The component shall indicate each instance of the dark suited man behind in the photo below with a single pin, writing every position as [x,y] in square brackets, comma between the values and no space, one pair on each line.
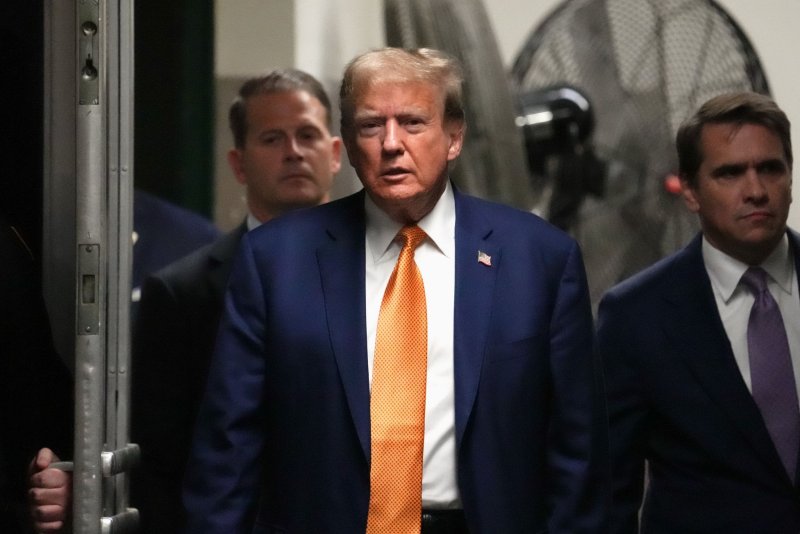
[285,157]
[286,438]
[695,386]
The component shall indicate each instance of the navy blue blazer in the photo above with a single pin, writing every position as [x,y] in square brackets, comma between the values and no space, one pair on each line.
[283,440]
[677,399]
[173,341]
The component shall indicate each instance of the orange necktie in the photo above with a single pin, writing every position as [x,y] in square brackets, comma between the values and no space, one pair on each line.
[397,403]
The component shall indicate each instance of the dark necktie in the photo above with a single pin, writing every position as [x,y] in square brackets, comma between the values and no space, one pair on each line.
[773,384]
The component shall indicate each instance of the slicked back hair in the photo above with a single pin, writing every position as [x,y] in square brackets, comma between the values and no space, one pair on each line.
[733,108]
[277,81]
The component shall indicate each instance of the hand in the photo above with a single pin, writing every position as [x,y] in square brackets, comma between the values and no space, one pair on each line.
[49,493]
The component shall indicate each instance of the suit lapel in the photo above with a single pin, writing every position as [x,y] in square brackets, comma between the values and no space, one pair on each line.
[706,350]
[474,287]
[341,267]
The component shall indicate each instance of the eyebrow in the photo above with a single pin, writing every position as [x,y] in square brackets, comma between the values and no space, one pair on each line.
[304,126]
[410,111]
[738,168]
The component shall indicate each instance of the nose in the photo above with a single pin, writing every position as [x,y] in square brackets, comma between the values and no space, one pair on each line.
[292,149]
[392,138]
[755,191]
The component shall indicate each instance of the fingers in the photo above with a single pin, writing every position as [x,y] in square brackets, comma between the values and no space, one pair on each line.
[49,507]
[43,459]
[49,479]
[48,494]
[48,518]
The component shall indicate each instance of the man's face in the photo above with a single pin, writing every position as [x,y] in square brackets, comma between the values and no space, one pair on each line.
[400,146]
[743,190]
[289,157]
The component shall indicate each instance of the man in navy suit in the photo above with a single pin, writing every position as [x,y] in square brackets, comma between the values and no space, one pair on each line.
[285,157]
[685,393]
[513,434]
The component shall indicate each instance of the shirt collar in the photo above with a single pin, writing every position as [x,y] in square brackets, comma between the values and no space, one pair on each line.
[725,271]
[252,222]
[439,224]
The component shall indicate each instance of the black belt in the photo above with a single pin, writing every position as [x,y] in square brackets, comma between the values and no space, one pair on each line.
[443,522]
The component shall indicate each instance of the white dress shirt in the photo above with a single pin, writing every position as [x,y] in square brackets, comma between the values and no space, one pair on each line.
[435,258]
[252,222]
[734,300]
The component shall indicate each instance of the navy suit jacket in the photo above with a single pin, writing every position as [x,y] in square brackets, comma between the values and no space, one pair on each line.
[676,398]
[283,437]
[173,341]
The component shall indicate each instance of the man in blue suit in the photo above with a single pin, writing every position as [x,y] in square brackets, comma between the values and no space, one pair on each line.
[688,390]
[513,433]
[286,158]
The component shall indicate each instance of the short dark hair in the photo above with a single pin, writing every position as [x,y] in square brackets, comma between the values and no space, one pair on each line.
[277,81]
[402,65]
[736,108]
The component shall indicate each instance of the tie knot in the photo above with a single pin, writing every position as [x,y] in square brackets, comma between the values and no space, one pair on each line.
[412,236]
[755,278]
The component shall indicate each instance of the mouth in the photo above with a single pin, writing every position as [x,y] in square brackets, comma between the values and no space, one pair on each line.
[297,175]
[394,173]
[759,215]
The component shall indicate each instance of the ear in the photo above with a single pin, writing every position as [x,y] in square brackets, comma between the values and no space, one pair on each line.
[689,194]
[336,154]
[235,161]
[455,130]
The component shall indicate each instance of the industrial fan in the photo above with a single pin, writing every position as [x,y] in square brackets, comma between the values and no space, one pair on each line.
[640,67]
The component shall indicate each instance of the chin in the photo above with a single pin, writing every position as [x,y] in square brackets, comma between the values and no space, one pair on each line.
[302,200]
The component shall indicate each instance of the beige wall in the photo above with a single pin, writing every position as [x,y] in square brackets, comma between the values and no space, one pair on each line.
[254,36]
[251,36]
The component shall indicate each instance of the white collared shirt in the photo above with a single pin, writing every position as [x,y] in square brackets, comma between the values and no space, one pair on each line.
[252,222]
[734,300]
[435,258]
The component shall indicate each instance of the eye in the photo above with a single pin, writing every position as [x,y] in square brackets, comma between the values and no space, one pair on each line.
[414,124]
[309,134]
[369,128]
[729,172]
[270,139]
[773,167]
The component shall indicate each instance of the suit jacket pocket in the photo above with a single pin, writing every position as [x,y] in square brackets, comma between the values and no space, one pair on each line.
[528,347]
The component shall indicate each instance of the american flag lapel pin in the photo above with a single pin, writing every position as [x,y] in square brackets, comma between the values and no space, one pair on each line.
[484,258]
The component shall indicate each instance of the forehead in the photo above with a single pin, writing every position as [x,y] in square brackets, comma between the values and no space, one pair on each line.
[285,109]
[392,97]
[734,142]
